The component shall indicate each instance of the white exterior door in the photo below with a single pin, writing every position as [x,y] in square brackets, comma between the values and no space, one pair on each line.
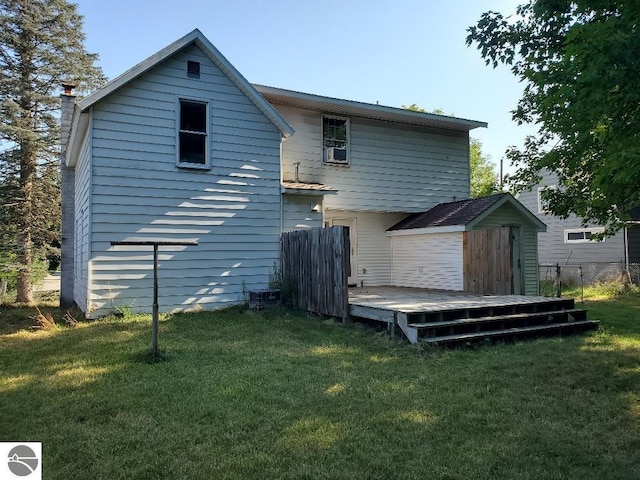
[351,224]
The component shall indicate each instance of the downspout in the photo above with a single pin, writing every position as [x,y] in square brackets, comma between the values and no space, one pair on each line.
[281,190]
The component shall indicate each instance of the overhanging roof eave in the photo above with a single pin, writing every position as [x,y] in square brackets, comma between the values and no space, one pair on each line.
[366,110]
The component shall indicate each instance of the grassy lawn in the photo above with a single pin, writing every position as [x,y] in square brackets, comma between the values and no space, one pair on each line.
[287,395]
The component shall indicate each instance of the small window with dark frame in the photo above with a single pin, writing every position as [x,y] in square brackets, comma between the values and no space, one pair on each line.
[193,132]
[335,139]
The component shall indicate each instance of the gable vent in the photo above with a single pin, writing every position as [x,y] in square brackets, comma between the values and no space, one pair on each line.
[193,69]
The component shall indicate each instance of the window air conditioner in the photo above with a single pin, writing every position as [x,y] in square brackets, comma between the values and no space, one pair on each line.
[337,155]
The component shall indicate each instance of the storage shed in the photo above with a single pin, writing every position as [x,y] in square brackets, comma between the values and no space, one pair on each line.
[484,245]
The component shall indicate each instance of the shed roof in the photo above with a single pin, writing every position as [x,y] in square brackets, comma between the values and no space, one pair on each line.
[466,213]
[280,96]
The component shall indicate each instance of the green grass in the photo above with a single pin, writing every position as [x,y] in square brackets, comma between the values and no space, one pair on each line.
[288,395]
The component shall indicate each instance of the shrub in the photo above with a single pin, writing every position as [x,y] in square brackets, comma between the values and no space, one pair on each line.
[9,268]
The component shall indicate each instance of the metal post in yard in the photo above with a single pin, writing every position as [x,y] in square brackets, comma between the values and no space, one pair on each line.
[155,351]
[558,281]
[581,285]
[154,315]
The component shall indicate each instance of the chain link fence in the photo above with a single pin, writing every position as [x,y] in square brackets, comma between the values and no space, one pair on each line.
[555,276]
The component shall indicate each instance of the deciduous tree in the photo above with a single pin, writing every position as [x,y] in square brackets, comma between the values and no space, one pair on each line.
[484,180]
[580,64]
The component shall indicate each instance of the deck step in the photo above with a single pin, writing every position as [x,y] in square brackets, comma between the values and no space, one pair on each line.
[519,331]
[496,318]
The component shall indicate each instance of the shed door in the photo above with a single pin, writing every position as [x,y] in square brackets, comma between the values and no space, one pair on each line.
[488,261]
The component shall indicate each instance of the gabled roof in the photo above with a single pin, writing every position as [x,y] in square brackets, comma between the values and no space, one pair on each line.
[195,37]
[279,96]
[466,213]
[80,122]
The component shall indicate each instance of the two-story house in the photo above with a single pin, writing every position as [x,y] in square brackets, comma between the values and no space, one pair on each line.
[183,147]
[383,163]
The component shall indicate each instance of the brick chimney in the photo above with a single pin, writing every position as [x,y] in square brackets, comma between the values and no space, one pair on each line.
[68,180]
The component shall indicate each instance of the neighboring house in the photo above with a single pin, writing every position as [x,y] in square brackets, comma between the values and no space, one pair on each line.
[182,147]
[567,242]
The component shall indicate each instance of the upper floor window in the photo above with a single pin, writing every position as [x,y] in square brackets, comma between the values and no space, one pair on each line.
[192,134]
[335,140]
[582,235]
[543,206]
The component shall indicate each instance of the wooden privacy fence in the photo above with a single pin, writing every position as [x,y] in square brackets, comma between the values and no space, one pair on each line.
[315,267]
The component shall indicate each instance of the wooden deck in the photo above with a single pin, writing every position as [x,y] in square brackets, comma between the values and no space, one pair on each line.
[438,316]
[380,303]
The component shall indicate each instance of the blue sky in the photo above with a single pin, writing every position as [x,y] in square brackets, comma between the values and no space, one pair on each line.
[392,52]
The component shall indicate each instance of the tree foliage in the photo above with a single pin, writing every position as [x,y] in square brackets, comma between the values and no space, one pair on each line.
[484,180]
[45,227]
[580,63]
[414,107]
[41,46]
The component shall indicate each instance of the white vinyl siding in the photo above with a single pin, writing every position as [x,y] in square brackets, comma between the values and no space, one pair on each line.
[393,167]
[81,225]
[373,246]
[427,261]
[232,209]
[301,212]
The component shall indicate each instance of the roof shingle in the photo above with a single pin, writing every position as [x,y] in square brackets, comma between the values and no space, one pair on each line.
[460,212]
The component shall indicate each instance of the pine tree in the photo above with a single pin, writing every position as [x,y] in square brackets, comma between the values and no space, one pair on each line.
[41,46]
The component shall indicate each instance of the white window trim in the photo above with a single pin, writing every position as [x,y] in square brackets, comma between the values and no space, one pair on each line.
[541,208]
[348,146]
[207,150]
[592,230]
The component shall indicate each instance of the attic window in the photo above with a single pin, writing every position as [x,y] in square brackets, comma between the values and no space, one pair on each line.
[193,69]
